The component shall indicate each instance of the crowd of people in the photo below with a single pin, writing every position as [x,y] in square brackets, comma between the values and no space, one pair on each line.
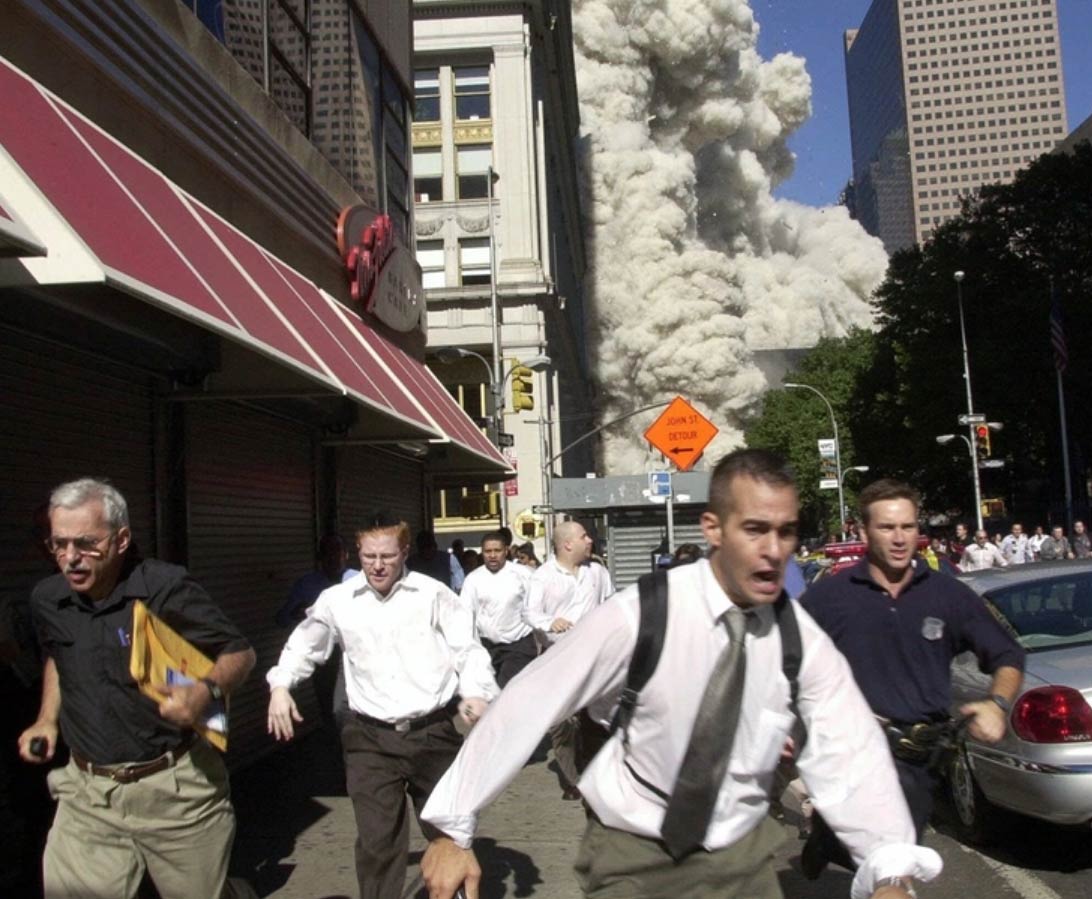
[447,669]
[1015,548]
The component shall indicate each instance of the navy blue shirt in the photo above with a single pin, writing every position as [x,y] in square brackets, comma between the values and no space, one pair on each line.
[901,649]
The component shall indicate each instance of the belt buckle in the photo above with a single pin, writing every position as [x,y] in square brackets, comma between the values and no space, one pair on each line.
[402,727]
[123,774]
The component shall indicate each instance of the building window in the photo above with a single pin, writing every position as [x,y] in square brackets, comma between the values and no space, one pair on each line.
[428,182]
[474,263]
[471,93]
[426,91]
[472,162]
[430,256]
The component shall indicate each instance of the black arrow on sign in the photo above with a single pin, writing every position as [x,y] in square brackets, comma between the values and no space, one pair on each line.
[684,449]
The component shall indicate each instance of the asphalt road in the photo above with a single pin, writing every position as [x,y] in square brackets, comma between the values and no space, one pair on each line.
[296,834]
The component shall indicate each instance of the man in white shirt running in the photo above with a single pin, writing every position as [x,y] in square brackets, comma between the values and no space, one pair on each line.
[564,589]
[409,654]
[496,595]
[751,526]
[981,554]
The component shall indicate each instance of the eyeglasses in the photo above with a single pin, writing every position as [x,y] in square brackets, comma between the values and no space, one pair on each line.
[84,546]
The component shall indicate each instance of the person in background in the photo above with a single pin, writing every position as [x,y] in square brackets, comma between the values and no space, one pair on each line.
[496,593]
[410,655]
[1056,546]
[564,589]
[1081,544]
[685,554]
[331,567]
[982,554]
[1015,546]
[958,543]
[525,555]
[471,560]
[141,791]
[440,566]
[1035,542]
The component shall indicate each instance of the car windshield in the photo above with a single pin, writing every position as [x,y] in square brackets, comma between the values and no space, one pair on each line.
[1048,613]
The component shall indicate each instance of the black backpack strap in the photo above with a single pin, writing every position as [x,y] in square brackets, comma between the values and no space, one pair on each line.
[652,592]
[792,656]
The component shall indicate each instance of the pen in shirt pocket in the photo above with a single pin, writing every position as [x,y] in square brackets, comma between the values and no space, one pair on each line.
[123,638]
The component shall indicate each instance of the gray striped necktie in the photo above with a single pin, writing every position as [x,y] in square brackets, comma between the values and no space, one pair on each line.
[695,795]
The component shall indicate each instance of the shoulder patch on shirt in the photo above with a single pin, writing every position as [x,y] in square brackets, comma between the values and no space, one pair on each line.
[932,628]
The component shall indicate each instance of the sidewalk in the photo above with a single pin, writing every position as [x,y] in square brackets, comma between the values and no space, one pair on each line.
[296,834]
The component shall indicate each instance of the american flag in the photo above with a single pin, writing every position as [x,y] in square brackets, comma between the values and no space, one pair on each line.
[1057,334]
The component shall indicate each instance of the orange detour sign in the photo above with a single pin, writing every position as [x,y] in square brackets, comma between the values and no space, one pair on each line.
[681,433]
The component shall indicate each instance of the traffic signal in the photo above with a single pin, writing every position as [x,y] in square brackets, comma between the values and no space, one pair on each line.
[523,388]
[982,441]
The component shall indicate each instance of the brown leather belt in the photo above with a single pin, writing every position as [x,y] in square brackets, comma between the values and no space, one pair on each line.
[131,773]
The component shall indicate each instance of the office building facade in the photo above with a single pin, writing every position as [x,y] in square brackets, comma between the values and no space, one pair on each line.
[945,96]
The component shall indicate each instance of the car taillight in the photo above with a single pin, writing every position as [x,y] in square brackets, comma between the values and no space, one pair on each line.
[1052,715]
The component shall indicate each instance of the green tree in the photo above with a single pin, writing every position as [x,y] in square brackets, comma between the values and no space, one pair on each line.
[792,421]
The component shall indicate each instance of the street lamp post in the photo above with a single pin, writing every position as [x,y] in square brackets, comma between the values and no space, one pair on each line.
[944,440]
[860,468]
[837,450]
[958,276]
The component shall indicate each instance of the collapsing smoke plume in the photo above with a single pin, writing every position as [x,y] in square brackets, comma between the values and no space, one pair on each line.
[694,264]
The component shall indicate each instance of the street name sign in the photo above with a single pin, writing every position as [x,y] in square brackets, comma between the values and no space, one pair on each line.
[542,510]
[978,418]
[681,433]
[992,463]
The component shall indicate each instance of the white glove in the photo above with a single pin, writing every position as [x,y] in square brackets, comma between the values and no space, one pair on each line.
[895,860]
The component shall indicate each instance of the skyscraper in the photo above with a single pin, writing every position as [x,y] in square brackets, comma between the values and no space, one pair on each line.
[945,96]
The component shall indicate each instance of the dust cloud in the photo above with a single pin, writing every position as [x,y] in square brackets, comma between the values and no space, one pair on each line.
[695,265]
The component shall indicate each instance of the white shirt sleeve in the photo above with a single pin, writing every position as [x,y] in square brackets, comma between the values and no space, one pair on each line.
[548,690]
[537,616]
[472,662]
[310,644]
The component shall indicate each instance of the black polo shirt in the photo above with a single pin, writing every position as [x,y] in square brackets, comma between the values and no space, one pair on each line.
[901,649]
[104,716]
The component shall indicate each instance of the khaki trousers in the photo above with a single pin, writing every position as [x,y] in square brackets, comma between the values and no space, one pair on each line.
[177,824]
[614,864]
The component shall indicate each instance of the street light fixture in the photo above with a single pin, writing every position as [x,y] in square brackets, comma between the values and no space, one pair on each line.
[541,362]
[944,440]
[837,450]
[958,276]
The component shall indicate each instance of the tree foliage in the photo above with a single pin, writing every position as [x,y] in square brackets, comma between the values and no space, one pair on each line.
[1015,243]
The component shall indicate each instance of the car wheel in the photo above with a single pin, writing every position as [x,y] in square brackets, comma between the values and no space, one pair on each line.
[975,816]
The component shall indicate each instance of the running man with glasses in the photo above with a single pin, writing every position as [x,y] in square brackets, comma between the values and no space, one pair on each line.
[141,791]
[411,662]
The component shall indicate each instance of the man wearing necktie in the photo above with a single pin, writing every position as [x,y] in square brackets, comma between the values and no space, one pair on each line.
[677,801]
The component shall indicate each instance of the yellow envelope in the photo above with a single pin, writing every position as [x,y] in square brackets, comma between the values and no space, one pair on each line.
[163,656]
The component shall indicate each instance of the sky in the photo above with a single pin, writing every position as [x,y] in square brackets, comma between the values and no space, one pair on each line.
[814,30]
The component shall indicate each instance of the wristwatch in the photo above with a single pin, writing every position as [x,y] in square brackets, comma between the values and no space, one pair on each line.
[215,690]
[1000,700]
[903,883]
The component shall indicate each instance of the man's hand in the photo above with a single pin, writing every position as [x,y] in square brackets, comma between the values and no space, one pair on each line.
[988,723]
[282,712]
[183,704]
[445,867]
[470,710]
[560,625]
[45,730]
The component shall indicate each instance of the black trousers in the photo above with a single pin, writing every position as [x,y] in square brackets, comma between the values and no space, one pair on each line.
[509,659]
[918,786]
[382,767]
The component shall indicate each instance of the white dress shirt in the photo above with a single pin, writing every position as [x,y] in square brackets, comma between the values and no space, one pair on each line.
[845,764]
[558,593]
[976,557]
[1015,549]
[404,655]
[498,602]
